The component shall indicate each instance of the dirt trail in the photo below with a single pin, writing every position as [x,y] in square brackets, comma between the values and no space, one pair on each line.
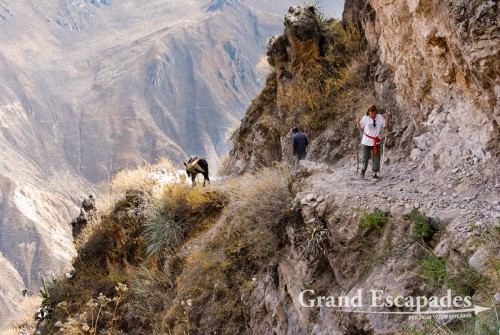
[460,196]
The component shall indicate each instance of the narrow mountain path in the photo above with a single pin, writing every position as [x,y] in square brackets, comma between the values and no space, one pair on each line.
[444,195]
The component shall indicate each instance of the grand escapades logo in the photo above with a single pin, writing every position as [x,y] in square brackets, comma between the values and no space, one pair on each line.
[376,299]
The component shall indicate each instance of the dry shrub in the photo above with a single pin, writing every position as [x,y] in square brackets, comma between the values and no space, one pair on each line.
[249,236]
[261,197]
[148,289]
[109,256]
[105,203]
[212,275]
[118,240]
[213,265]
[100,315]
[114,250]
[208,280]
[335,82]
[255,217]
[138,178]
[186,203]
[177,215]
[87,232]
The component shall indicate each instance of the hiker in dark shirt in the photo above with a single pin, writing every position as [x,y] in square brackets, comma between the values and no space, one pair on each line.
[299,146]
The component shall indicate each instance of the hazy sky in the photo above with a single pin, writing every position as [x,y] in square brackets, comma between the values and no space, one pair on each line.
[332,8]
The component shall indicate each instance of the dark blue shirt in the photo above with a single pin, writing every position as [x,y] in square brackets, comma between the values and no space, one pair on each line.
[299,144]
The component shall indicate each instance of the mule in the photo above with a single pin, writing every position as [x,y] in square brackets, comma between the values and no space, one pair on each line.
[197,165]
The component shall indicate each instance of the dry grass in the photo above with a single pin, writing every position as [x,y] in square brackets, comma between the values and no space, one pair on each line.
[175,217]
[89,230]
[259,209]
[136,179]
[148,290]
[261,197]
[248,237]
[333,85]
[186,203]
[105,203]
[211,274]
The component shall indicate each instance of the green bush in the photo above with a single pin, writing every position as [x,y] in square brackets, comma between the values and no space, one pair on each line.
[163,232]
[421,227]
[433,270]
[373,220]
[458,276]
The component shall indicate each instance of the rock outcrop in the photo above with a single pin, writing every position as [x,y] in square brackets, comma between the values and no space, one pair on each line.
[260,139]
[433,65]
[88,214]
[443,57]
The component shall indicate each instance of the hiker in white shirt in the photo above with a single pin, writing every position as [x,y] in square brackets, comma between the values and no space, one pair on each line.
[371,124]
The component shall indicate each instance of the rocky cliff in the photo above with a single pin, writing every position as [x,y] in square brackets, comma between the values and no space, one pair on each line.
[443,59]
[433,65]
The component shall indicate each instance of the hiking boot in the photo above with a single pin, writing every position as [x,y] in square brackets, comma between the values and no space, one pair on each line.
[375,176]
[362,173]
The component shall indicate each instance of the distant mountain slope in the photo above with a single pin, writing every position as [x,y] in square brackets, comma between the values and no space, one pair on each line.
[90,87]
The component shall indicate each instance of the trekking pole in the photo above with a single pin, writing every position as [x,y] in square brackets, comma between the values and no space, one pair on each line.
[357,149]
[357,159]
[383,152]
[383,145]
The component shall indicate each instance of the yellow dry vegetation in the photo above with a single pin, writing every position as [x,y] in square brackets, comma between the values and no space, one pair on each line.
[335,84]
[248,236]
[138,178]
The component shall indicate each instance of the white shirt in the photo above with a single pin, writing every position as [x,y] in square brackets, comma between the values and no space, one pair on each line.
[366,124]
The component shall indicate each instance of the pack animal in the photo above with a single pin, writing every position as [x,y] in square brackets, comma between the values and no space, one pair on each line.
[197,165]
